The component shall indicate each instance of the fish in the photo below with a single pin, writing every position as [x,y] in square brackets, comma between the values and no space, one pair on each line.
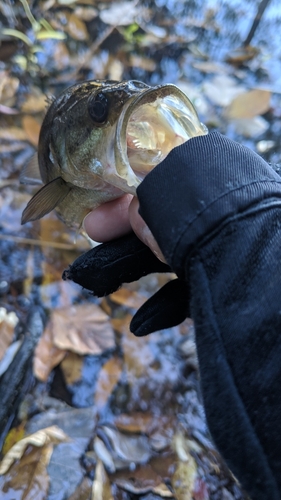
[99,139]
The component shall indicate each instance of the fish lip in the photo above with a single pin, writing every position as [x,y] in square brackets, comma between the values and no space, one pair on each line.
[146,96]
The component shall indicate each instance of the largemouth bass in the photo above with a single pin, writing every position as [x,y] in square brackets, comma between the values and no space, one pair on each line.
[99,139]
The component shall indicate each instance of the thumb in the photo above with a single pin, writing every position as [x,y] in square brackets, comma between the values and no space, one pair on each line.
[142,230]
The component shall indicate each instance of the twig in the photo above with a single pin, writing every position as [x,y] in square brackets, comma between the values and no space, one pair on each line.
[31,241]
[261,9]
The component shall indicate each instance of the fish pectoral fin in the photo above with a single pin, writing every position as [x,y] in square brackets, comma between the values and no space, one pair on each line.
[30,173]
[45,200]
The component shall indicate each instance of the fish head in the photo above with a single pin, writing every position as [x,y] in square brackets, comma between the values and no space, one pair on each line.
[101,138]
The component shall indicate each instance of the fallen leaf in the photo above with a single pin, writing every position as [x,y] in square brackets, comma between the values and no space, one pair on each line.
[84,491]
[120,14]
[32,129]
[14,435]
[8,88]
[108,377]
[222,89]
[128,448]
[185,475]
[249,104]
[13,134]
[101,486]
[128,298]
[142,480]
[46,355]
[35,102]
[40,438]
[28,477]
[71,367]
[86,13]
[134,422]
[8,321]
[250,127]
[84,329]
[75,27]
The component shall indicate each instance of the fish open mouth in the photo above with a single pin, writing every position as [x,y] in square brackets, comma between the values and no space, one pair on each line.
[151,125]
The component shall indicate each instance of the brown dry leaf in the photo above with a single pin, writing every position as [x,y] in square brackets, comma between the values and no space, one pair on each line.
[84,329]
[8,88]
[76,28]
[13,134]
[84,491]
[249,104]
[134,422]
[8,322]
[108,377]
[142,480]
[32,129]
[46,355]
[101,486]
[71,367]
[49,435]
[128,298]
[28,477]
[35,102]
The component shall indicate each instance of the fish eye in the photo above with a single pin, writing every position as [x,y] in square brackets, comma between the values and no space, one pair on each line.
[98,108]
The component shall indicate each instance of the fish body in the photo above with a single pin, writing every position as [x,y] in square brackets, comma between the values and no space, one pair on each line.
[99,139]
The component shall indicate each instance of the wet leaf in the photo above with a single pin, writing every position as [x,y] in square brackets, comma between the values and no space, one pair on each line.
[8,321]
[101,485]
[32,129]
[35,102]
[135,422]
[127,297]
[142,480]
[86,13]
[29,475]
[120,14]
[15,435]
[128,448]
[222,89]
[40,438]
[13,134]
[47,355]
[184,477]
[8,88]
[251,127]
[84,329]
[71,367]
[76,28]
[249,104]
[84,491]
[108,377]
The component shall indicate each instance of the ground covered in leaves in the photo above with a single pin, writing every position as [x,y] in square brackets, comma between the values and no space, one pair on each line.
[87,410]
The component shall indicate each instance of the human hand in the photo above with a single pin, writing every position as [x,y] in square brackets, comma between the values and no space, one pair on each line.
[117,218]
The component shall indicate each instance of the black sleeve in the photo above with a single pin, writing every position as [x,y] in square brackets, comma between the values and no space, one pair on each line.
[221,204]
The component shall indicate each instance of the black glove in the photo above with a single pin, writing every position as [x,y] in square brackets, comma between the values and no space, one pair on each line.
[105,268]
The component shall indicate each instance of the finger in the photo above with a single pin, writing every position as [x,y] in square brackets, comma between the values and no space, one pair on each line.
[109,221]
[142,231]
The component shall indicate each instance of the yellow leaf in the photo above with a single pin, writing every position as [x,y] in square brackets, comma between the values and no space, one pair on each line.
[15,435]
[249,104]
[40,438]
